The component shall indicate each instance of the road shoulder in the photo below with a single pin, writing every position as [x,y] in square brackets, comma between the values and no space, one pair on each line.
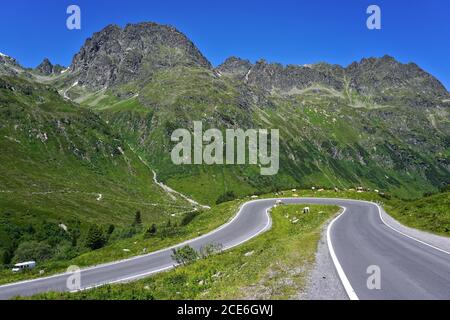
[440,242]
[323,282]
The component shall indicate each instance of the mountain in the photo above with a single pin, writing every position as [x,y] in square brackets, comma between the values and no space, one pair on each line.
[383,80]
[116,56]
[47,68]
[376,123]
[9,65]
[63,170]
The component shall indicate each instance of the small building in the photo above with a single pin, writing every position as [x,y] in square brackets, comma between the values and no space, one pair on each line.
[18,267]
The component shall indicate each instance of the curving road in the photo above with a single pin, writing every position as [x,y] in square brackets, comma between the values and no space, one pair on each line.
[357,239]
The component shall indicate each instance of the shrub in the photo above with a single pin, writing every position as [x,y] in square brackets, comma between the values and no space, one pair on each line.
[111,229]
[210,249]
[32,250]
[227,196]
[95,238]
[137,219]
[150,231]
[188,217]
[184,255]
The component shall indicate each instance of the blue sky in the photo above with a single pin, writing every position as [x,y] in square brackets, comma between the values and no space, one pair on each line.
[286,31]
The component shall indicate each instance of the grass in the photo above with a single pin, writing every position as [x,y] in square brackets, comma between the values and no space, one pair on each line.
[428,214]
[431,213]
[267,270]
[275,265]
[201,224]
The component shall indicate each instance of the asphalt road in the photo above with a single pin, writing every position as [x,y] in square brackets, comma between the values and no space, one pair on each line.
[358,239]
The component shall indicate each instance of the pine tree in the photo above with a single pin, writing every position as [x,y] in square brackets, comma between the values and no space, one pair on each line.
[137,219]
[95,238]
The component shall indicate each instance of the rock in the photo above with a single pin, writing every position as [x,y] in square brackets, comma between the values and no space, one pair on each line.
[47,68]
[248,254]
[117,56]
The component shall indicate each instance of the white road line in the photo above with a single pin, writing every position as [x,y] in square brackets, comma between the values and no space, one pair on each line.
[142,275]
[236,216]
[347,286]
[406,235]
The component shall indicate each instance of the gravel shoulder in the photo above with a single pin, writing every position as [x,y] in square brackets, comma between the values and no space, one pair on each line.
[323,282]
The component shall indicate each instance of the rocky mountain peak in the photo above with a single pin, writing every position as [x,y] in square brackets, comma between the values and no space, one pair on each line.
[46,67]
[116,56]
[235,67]
[9,65]
[379,76]
[289,78]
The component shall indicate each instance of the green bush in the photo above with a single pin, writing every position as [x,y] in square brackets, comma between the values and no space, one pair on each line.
[227,196]
[150,232]
[184,255]
[32,250]
[137,219]
[188,217]
[210,249]
[95,238]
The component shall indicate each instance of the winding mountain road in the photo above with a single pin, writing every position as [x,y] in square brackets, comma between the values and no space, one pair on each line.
[357,240]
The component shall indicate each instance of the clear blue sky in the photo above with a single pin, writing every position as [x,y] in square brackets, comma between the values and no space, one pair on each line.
[286,31]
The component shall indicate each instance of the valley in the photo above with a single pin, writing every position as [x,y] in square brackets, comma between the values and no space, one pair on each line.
[88,177]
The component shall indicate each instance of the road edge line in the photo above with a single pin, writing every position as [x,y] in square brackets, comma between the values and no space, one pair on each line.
[344,280]
[406,235]
[146,274]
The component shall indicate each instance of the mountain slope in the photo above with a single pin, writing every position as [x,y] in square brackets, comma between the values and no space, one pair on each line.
[376,123]
[63,166]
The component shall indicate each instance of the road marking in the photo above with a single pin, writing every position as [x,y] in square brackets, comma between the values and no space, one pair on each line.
[142,275]
[347,286]
[406,235]
[235,217]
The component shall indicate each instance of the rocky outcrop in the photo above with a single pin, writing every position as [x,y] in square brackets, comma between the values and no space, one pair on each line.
[384,80]
[116,56]
[235,67]
[46,67]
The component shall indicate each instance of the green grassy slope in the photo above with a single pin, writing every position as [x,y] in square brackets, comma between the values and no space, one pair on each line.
[274,265]
[431,213]
[327,139]
[62,164]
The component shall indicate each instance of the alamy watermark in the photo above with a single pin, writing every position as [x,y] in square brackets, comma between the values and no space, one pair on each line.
[374,280]
[73,282]
[374,20]
[73,22]
[261,146]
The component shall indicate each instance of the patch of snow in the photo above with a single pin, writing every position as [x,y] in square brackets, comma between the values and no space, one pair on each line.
[3,55]
[248,73]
